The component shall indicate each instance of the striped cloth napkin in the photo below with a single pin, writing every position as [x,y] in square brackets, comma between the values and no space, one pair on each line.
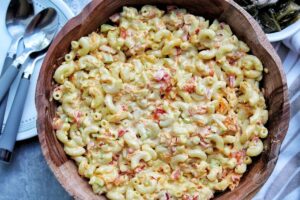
[293,42]
[284,183]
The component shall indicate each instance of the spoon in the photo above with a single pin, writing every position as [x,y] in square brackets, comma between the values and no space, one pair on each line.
[18,16]
[38,35]
[37,38]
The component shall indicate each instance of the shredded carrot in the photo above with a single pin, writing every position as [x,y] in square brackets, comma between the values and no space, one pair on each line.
[223,106]
[157,113]
[123,33]
[239,156]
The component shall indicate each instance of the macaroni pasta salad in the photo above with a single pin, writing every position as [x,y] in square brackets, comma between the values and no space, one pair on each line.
[160,105]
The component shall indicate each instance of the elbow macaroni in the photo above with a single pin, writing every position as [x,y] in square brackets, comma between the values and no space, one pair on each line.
[161,105]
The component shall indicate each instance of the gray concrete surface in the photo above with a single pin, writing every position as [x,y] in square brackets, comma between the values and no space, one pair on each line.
[28,176]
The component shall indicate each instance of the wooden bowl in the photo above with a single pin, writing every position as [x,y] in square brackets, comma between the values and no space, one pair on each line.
[242,24]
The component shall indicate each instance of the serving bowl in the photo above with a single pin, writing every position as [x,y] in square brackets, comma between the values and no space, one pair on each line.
[285,33]
[242,24]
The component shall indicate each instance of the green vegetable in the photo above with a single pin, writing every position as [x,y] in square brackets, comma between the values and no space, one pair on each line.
[287,12]
[273,17]
[268,21]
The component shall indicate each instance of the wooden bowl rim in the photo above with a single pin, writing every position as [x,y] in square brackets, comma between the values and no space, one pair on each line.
[83,16]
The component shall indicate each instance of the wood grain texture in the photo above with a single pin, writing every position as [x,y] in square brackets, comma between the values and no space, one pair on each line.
[242,24]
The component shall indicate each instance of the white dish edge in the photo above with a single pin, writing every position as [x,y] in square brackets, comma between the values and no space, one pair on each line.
[285,33]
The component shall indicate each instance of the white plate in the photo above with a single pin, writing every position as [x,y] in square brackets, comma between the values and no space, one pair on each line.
[27,127]
[285,33]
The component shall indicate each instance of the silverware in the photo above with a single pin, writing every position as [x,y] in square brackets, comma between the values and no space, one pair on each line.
[37,37]
[18,16]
